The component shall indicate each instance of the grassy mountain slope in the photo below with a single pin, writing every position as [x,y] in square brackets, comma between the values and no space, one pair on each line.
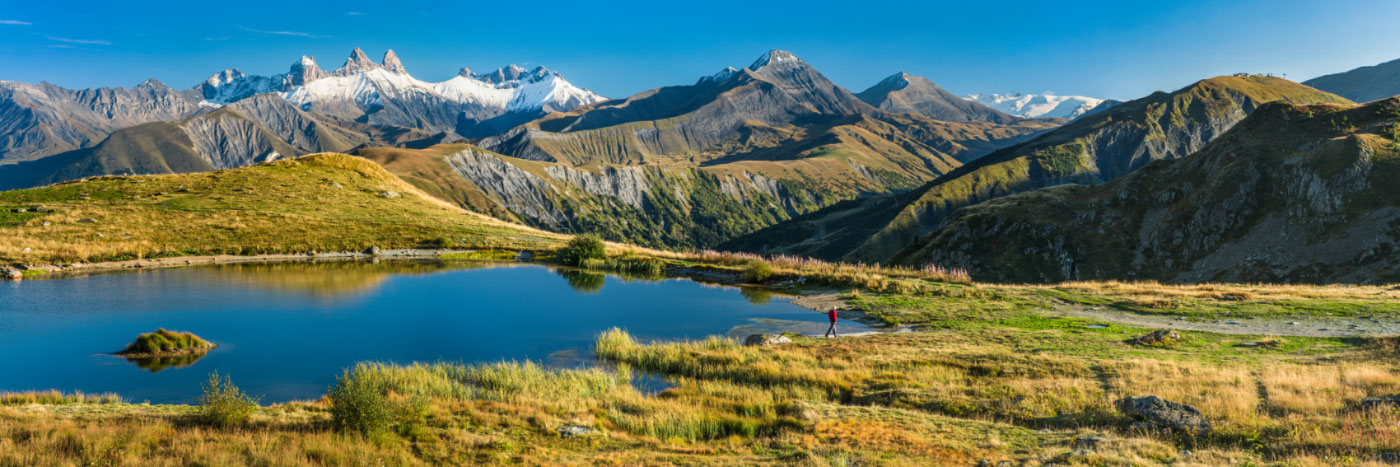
[325,202]
[1089,150]
[1292,194]
[683,205]
[1362,84]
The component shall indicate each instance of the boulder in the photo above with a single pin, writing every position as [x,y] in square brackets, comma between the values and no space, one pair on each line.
[570,431]
[1090,443]
[1155,413]
[1383,401]
[11,274]
[766,339]
[1160,338]
[372,251]
[389,194]
[87,220]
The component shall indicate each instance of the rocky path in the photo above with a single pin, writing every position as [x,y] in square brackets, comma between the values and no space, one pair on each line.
[1307,326]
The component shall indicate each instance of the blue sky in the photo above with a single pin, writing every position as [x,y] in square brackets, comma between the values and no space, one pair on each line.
[1111,49]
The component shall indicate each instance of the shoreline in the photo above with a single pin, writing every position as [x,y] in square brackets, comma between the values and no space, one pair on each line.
[80,269]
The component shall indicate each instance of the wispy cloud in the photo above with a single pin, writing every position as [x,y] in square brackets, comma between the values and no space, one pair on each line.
[283,33]
[71,47]
[78,41]
[354,13]
[14,22]
[220,38]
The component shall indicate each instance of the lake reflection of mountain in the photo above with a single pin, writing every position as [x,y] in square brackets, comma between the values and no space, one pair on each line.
[324,279]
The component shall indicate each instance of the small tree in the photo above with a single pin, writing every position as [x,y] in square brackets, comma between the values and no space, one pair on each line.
[222,404]
[582,247]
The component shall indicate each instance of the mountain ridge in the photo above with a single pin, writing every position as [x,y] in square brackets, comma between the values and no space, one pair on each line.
[1093,149]
[906,93]
[1294,193]
[1362,84]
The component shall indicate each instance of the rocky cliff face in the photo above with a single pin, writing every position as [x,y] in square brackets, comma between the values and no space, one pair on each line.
[1292,194]
[675,207]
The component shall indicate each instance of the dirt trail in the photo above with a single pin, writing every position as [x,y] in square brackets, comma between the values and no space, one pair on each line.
[1307,326]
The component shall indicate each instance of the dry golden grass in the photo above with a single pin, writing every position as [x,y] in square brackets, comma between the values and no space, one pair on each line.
[1158,291]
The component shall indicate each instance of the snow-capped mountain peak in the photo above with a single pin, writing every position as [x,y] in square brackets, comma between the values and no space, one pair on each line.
[365,84]
[774,56]
[1037,105]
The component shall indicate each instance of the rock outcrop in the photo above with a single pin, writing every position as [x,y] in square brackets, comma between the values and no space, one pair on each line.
[1153,413]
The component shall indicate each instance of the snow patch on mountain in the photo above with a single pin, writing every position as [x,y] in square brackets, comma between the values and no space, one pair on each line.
[1037,105]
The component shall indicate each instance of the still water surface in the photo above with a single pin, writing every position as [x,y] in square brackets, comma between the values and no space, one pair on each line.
[286,330]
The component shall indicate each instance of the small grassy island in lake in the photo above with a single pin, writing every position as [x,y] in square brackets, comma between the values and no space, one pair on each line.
[163,343]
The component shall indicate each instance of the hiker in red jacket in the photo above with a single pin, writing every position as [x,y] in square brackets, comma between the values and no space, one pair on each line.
[831,331]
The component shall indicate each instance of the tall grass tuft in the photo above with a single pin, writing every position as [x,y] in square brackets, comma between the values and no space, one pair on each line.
[224,405]
[871,276]
[55,397]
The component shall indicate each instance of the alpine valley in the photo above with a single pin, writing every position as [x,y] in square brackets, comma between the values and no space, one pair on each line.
[352,266]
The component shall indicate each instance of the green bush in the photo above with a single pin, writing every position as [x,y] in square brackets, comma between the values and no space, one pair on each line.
[757,271]
[222,404]
[580,248]
[359,402]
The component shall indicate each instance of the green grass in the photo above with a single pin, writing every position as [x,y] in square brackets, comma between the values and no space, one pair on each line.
[494,254]
[290,206]
[55,397]
[165,342]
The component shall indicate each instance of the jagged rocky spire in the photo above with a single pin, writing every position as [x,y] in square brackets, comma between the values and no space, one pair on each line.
[305,71]
[392,63]
[358,62]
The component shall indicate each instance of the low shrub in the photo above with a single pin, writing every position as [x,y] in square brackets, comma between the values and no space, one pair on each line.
[359,402]
[222,404]
[580,248]
[757,271]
